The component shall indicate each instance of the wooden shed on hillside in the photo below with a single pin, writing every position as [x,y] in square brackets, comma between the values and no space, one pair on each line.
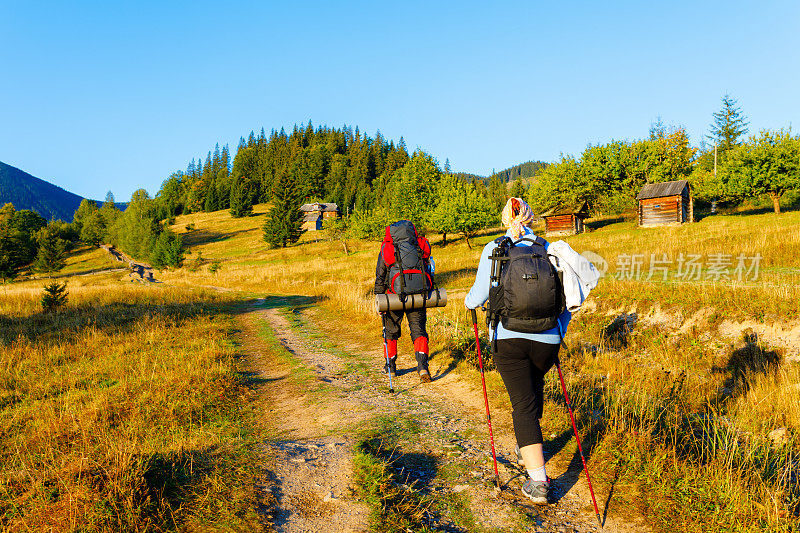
[316,213]
[669,202]
[565,220]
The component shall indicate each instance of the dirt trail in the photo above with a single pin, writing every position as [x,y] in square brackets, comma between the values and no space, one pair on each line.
[307,483]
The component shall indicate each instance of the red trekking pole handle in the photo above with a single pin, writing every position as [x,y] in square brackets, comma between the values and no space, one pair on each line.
[485,396]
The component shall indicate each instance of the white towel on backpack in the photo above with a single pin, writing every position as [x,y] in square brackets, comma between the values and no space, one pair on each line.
[579,274]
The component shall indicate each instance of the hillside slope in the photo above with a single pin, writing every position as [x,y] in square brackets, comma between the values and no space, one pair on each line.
[29,192]
[526,171]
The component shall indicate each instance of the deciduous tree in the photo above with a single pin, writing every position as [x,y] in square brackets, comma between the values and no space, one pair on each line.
[768,163]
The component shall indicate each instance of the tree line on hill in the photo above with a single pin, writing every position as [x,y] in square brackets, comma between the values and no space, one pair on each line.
[375,182]
[26,238]
[608,176]
[140,231]
[370,178]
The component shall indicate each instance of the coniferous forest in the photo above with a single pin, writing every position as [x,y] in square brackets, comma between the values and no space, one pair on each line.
[336,165]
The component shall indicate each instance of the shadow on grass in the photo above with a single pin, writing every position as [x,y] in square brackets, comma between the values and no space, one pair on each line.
[201,236]
[451,365]
[69,324]
[601,223]
[396,484]
[295,302]
[168,476]
[443,278]
[744,364]
[760,211]
[567,480]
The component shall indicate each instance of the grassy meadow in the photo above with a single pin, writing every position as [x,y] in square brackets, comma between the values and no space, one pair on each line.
[121,411]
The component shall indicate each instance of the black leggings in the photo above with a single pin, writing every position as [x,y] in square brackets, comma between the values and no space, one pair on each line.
[522,364]
[417,319]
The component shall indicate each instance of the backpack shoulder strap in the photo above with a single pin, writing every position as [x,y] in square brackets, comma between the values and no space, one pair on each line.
[538,240]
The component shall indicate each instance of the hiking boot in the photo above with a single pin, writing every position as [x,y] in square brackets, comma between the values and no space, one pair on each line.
[536,491]
[391,367]
[422,367]
[520,460]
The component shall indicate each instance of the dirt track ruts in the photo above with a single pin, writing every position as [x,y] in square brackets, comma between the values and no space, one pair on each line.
[306,483]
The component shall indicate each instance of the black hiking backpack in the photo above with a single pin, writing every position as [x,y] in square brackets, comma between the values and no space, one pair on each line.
[405,254]
[529,295]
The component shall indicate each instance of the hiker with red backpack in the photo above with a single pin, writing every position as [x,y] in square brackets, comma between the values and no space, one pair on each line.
[405,268]
[531,290]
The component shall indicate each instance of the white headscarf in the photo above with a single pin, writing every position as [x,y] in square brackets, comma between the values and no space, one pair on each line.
[523,217]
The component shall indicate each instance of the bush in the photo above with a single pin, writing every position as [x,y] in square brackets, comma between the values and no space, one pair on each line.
[195,264]
[215,266]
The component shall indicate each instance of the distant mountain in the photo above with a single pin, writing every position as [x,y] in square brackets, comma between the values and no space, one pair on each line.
[29,192]
[528,169]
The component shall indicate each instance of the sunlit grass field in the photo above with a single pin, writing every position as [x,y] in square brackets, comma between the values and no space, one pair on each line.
[684,405]
[683,411]
[119,412]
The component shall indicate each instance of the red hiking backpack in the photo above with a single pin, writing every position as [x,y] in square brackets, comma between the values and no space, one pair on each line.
[406,256]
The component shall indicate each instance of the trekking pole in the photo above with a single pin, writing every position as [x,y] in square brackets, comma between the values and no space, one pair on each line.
[386,354]
[485,397]
[580,449]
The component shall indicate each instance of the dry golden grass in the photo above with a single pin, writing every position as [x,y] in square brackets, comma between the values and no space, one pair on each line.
[119,412]
[676,359]
[682,409]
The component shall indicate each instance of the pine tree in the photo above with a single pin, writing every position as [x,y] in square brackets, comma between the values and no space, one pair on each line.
[729,125]
[284,220]
[52,250]
[54,296]
[241,203]
[216,163]
[211,198]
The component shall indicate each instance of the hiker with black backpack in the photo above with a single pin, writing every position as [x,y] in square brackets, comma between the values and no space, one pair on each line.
[528,313]
[405,268]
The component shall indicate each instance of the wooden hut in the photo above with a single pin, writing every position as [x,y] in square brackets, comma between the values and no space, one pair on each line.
[565,220]
[316,213]
[664,203]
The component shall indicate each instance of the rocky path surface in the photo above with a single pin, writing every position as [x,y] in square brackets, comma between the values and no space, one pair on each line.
[307,482]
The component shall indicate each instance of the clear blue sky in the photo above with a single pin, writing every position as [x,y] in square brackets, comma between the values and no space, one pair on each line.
[95,96]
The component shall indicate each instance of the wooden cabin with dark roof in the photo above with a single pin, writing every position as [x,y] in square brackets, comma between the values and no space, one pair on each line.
[316,213]
[669,202]
[565,220]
